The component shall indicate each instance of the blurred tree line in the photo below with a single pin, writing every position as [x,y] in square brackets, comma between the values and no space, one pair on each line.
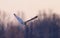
[45,26]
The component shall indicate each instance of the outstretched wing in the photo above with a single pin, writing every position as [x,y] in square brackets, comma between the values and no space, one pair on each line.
[19,19]
[31,19]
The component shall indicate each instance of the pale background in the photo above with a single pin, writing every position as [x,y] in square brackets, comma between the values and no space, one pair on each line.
[29,7]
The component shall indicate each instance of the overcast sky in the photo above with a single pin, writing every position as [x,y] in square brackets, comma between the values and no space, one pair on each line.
[29,7]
